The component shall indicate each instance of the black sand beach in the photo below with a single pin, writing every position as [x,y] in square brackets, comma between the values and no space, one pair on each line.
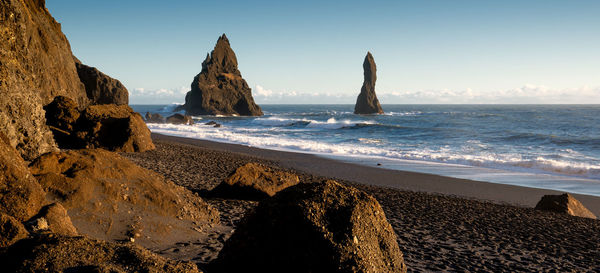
[442,223]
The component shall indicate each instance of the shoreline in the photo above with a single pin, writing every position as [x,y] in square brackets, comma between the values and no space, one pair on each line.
[382,177]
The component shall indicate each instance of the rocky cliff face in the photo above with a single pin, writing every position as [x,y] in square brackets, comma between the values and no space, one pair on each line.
[219,89]
[367,102]
[36,65]
[99,87]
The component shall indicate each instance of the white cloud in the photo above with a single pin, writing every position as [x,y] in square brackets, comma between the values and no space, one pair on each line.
[142,95]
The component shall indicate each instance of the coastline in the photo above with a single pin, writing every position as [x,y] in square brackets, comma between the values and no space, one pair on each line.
[402,180]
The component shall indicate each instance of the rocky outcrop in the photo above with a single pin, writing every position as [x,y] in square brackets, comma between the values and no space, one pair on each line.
[36,65]
[254,182]
[321,227]
[106,195]
[367,102]
[11,230]
[112,127]
[51,253]
[100,88]
[57,220]
[564,203]
[219,89]
[180,119]
[20,195]
[154,118]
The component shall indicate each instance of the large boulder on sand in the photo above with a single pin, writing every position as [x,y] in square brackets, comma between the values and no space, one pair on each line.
[57,220]
[109,197]
[100,88]
[52,253]
[322,227]
[367,102]
[219,89]
[254,182]
[180,119]
[564,203]
[11,230]
[20,195]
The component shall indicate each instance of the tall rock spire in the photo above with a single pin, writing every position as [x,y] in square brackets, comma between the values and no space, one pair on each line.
[367,102]
[219,89]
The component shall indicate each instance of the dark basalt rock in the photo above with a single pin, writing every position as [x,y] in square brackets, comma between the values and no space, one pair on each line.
[180,119]
[154,118]
[219,89]
[564,203]
[313,227]
[367,102]
[100,88]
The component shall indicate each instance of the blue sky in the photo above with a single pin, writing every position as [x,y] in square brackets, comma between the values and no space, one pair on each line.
[312,51]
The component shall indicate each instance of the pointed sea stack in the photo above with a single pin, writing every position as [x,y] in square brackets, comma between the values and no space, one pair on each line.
[219,89]
[367,102]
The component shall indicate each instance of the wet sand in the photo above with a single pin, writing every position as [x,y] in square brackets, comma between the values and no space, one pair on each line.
[442,223]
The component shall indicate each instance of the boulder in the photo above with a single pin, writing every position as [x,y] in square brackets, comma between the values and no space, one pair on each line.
[52,253]
[57,220]
[100,88]
[62,113]
[36,65]
[321,227]
[367,102]
[105,195]
[180,119]
[154,118]
[113,127]
[11,230]
[219,89]
[254,182]
[564,203]
[20,195]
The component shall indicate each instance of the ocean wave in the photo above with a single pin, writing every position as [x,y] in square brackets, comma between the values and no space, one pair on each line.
[330,123]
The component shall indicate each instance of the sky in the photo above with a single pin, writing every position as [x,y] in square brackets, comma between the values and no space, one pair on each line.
[427,51]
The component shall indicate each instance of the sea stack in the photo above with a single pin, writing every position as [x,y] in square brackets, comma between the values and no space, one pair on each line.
[367,102]
[219,89]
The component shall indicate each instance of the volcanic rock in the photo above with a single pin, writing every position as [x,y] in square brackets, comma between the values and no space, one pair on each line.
[154,118]
[320,227]
[180,119]
[113,127]
[20,195]
[36,65]
[564,203]
[11,230]
[106,194]
[52,253]
[254,182]
[367,102]
[219,89]
[57,220]
[62,113]
[100,88]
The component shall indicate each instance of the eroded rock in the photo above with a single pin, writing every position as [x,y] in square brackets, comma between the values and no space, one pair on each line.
[100,88]
[254,181]
[154,118]
[11,230]
[367,102]
[180,119]
[57,220]
[564,203]
[321,227]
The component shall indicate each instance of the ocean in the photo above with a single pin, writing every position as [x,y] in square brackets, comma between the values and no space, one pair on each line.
[541,146]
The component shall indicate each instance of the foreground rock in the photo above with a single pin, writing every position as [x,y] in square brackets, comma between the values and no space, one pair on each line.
[564,203]
[110,198]
[51,253]
[57,220]
[36,64]
[180,119]
[100,88]
[11,230]
[254,182]
[21,196]
[112,127]
[154,118]
[367,102]
[322,227]
[219,89]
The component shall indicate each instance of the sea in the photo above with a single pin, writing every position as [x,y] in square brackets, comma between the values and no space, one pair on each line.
[541,146]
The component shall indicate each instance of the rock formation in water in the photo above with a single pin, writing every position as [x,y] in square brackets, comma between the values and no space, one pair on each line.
[367,102]
[100,88]
[180,119]
[36,65]
[564,203]
[219,89]
[314,227]
[154,118]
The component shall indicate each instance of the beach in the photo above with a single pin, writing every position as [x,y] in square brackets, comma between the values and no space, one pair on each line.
[442,223]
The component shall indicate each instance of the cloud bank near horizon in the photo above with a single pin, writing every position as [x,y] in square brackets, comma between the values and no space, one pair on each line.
[527,94]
